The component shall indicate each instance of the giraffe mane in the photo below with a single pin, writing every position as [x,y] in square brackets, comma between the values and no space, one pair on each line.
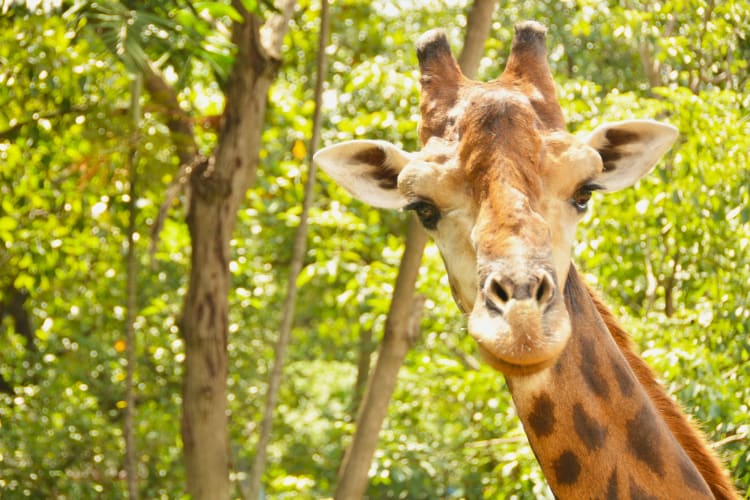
[690,437]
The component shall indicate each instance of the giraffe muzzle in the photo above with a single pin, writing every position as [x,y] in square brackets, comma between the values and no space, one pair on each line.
[519,319]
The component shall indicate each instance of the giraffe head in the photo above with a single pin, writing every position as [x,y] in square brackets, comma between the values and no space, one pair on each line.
[500,186]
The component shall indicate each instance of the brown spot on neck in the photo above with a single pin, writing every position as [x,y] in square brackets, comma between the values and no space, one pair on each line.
[623,377]
[638,493]
[591,369]
[592,433]
[567,468]
[645,440]
[612,486]
[542,416]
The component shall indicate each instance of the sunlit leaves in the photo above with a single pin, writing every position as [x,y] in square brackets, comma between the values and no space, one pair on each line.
[163,35]
[451,430]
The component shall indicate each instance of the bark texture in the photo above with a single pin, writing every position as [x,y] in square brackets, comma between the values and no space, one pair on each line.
[218,185]
[131,453]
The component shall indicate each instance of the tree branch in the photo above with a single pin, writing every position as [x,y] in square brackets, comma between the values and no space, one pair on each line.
[478,24]
[179,122]
[180,125]
[493,442]
[131,270]
[728,440]
[11,132]
[299,248]
[469,361]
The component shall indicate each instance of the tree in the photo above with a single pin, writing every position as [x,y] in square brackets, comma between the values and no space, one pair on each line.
[218,185]
[131,270]
[450,429]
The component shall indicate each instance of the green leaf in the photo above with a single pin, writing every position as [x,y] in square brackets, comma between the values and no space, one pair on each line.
[24,282]
[7,225]
[251,6]
[218,9]
[305,276]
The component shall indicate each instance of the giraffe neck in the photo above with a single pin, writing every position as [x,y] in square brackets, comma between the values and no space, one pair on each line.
[591,424]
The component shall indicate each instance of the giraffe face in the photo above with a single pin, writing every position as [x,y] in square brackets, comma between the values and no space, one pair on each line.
[500,186]
[501,200]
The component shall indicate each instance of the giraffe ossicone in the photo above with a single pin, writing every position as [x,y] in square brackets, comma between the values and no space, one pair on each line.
[500,185]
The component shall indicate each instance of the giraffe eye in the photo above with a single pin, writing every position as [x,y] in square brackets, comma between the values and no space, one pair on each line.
[581,198]
[428,214]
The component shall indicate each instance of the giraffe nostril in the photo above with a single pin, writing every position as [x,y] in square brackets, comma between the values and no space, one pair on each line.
[540,291]
[545,288]
[499,291]
[497,295]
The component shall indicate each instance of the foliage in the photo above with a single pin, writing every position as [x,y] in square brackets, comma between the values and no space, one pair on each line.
[671,256]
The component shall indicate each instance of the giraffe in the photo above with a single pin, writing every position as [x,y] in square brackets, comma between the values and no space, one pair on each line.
[501,186]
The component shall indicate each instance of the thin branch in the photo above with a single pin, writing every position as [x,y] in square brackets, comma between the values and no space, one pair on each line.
[469,361]
[494,442]
[178,185]
[131,270]
[298,256]
[180,125]
[13,130]
[179,122]
[734,438]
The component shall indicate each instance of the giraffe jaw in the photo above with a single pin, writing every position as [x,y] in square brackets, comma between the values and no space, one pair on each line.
[511,369]
[523,340]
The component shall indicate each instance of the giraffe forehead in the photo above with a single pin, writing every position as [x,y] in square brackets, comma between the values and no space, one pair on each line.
[489,103]
[499,119]
[500,143]
[494,138]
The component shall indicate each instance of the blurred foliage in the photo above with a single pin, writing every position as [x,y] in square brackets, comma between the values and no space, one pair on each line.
[671,256]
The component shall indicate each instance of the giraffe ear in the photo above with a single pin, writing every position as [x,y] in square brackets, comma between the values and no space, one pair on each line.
[629,150]
[367,169]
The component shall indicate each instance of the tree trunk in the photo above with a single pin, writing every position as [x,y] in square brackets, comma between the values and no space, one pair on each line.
[478,25]
[298,256]
[398,338]
[131,462]
[218,189]
[403,316]
[363,369]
